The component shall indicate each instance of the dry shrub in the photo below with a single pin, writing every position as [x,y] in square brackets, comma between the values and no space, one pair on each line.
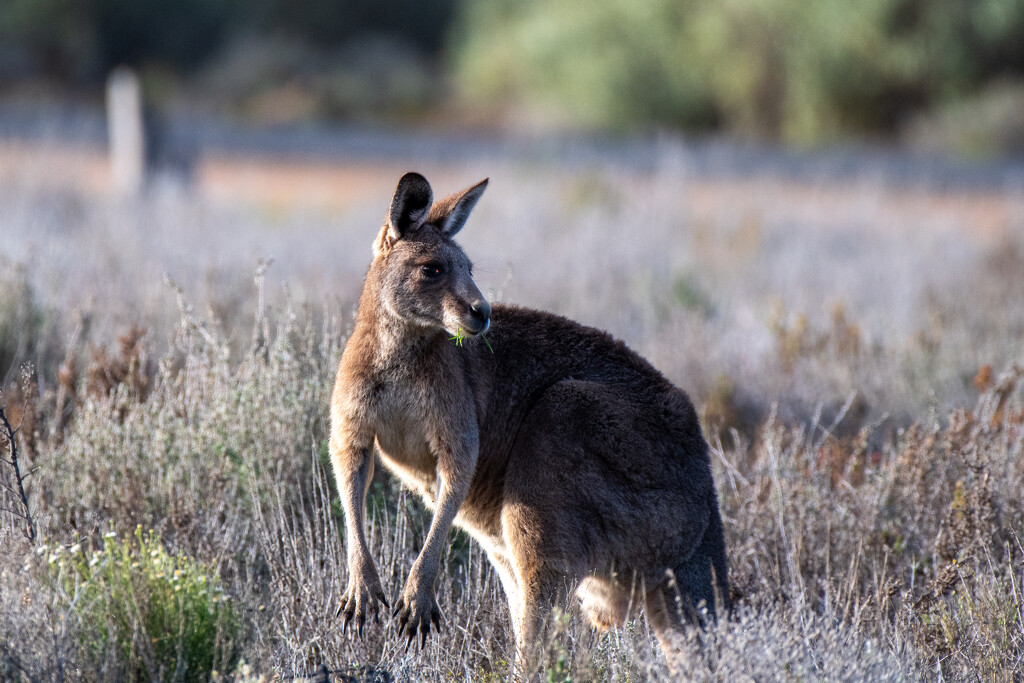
[918,543]
[22,406]
[785,643]
[21,318]
[856,552]
[213,440]
[107,373]
[797,339]
[727,413]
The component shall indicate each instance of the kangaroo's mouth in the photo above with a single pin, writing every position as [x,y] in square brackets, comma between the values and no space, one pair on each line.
[472,328]
[469,319]
[469,326]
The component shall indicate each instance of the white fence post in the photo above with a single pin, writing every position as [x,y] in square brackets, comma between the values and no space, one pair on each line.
[125,131]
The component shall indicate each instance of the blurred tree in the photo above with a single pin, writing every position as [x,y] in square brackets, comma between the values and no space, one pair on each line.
[59,34]
[179,33]
[784,69]
[329,23]
[79,41]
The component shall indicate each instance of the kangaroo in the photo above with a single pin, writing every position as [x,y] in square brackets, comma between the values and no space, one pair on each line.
[569,458]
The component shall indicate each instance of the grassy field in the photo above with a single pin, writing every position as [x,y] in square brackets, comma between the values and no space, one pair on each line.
[855,351]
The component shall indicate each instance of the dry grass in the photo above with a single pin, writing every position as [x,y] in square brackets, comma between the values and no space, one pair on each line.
[869,473]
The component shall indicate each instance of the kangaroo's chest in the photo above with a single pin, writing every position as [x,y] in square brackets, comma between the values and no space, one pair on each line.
[400,416]
[407,418]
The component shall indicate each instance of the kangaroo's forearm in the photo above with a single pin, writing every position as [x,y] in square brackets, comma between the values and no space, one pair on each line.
[354,472]
[450,495]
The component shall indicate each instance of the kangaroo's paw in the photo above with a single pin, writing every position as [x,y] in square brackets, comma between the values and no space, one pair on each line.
[362,598]
[416,611]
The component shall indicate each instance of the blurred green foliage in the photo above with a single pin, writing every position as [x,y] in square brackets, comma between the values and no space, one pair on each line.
[778,69]
[784,69]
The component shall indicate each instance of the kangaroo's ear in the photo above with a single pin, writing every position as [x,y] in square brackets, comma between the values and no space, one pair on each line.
[409,206]
[450,214]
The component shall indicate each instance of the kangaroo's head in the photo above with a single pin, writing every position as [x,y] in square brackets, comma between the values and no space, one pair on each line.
[422,277]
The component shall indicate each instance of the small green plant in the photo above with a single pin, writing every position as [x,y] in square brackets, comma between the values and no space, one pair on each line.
[555,662]
[559,672]
[162,616]
[460,339]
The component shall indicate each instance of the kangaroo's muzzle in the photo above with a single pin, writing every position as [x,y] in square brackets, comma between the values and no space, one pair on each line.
[479,319]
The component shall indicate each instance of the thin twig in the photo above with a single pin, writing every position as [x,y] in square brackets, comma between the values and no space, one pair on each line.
[8,432]
[16,513]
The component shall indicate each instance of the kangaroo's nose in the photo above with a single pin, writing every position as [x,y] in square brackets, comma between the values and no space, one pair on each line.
[480,312]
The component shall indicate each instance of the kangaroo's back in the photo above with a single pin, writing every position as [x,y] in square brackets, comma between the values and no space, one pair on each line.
[553,345]
[531,351]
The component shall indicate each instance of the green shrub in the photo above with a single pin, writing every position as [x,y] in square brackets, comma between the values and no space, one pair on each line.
[161,616]
[782,69]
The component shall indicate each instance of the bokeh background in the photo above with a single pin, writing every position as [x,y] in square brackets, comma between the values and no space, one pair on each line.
[716,175]
[929,74]
[810,215]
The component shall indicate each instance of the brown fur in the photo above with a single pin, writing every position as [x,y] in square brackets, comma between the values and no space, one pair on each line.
[568,457]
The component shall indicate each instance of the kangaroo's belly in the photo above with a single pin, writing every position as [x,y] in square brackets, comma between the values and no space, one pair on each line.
[417,470]
[408,456]
[416,467]
[404,450]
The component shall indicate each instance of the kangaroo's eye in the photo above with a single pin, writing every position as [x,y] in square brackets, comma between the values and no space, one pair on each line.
[430,271]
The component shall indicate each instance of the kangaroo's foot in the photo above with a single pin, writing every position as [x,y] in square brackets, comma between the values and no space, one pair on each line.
[416,609]
[362,598]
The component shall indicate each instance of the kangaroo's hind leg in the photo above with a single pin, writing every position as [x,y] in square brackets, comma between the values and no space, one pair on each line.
[699,582]
[513,593]
[608,602]
[704,575]
[541,576]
